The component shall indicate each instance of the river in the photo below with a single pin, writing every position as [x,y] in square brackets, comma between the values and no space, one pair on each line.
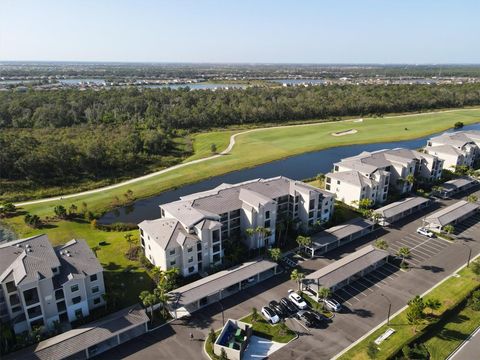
[296,167]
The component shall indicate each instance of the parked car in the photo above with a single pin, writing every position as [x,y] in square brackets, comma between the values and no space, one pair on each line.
[289,305]
[270,315]
[425,232]
[278,308]
[332,305]
[310,319]
[297,300]
[320,317]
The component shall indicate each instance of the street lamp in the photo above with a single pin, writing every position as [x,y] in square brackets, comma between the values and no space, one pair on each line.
[469,253]
[389,307]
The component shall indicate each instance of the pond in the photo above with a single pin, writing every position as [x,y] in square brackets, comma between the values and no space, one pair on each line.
[296,167]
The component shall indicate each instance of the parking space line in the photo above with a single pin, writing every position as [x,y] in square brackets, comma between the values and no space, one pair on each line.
[425,252]
[387,275]
[351,295]
[416,237]
[387,266]
[371,282]
[378,279]
[360,285]
[342,300]
[435,246]
[440,242]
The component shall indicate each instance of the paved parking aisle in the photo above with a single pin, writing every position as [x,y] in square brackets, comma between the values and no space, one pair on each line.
[421,247]
[469,226]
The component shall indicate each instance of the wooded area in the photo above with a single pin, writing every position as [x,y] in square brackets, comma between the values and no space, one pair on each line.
[59,137]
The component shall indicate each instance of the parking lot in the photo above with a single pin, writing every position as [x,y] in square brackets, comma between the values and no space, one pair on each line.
[422,248]
[468,227]
[366,285]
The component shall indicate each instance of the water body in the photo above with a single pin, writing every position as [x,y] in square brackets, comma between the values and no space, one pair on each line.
[299,81]
[83,81]
[198,86]
[296,167]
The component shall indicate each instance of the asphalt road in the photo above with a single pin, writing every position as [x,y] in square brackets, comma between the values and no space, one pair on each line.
[470,349]
[366,301]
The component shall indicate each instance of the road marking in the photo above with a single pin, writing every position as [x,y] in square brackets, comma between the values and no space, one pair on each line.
[361,291]
[386,275]
[298,321]
[342,300]
[351,295]
[378,279]
[371,282]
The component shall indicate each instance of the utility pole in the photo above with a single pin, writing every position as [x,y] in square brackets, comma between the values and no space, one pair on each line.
[389,307]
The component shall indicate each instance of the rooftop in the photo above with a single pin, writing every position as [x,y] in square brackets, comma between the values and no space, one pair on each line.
[214,283]
[344,268]
[399,207]
[451,213]
[340,232]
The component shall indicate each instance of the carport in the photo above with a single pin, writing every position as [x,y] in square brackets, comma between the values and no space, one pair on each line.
[451,215]
[347,269]
[91,339]
[339,235]
[191,297]
[456,186]
[400,209]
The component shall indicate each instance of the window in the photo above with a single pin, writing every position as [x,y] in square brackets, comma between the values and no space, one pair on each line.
[190,259]
[16,309]
[338,182]
[267,223]
[61,306]
[76,299]
[172,252]
[215,236]
[267,214]
[14,299]
[327,186]
[235,213]
[95,289]
[78,313]
[11,286]
[93,277]
[74,288]
[216,248]
[31,296]
[191,269]
[335,168]
[34,312]
[199,246]
[328,180]
[96,301]
[216,258]
[172,263]
[311,204]
[199,256]
[189,249]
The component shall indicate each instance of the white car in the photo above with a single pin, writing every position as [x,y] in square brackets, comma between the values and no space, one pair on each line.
[332,304]
[297,300]
[270,315]
[425,232]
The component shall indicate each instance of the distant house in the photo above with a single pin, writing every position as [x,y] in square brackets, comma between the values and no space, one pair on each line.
[191,232]
[40,284]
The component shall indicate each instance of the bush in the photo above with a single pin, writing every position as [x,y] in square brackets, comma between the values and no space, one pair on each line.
[118,226]
[133,253]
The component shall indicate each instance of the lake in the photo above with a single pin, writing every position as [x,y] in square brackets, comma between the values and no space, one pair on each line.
[296,167]
[299,81]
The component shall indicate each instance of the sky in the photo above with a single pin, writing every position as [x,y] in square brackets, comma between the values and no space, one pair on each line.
[241,31]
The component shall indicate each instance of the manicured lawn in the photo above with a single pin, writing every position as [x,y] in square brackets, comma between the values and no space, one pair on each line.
[451,292]
[279,333]
[459,327]
[203,141]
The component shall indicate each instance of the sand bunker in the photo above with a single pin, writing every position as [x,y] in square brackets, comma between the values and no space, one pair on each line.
[345,132]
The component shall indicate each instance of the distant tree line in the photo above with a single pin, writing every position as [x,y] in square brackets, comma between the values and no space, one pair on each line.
[183,109]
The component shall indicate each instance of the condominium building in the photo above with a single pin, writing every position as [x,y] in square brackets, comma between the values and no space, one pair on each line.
[40,284]
[369,175]
[190,232]
[461,148]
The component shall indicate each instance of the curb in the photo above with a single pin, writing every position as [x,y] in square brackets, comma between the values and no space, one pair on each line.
[464,342]
[399,311]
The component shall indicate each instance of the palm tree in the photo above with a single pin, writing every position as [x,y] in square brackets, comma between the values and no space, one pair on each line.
[449,229]
[280,228]
[148,300]
[130,240]
[162,296]
[381,244]
[433,304]
[304,241]
[403,252]
[298,277]
[275,254]
[254,315]
[324,293]
[250,233]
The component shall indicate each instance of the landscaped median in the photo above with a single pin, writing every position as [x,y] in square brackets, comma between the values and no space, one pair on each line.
[450,293]
[278,333]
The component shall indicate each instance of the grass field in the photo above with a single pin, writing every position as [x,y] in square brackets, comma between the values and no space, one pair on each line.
[450,293]
[262,328]
[251,149]
[459,327]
